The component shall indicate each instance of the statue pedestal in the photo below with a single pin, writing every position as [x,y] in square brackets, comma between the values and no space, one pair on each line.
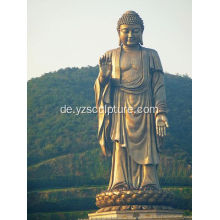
[136,204]
[140,214]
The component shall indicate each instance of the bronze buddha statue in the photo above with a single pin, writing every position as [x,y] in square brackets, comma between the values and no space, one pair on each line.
[131,76]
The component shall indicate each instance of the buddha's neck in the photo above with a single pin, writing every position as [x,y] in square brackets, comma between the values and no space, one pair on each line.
[131,48]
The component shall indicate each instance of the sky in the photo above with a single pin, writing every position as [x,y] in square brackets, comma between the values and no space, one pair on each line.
[75,33]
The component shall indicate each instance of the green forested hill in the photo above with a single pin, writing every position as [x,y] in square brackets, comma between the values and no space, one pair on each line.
[63,149]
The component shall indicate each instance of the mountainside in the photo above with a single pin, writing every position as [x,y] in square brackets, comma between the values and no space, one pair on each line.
[63,148]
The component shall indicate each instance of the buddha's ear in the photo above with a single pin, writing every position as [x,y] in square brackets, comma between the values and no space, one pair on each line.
[120,43]
[141,40]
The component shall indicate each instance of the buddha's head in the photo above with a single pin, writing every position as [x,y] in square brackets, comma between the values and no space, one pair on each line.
[130,29]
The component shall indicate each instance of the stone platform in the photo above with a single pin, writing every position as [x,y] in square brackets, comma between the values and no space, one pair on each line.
[140,214]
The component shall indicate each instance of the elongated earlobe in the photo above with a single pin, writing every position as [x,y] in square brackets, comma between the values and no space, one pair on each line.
[141,40]
[119,42]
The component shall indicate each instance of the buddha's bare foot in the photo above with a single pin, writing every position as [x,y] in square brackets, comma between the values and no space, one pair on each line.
[121,187]
[149,187]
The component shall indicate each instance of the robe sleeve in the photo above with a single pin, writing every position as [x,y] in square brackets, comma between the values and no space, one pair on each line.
[158,87]
[102,98]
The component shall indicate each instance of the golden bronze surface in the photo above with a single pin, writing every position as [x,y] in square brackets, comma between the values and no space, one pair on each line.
[131,77]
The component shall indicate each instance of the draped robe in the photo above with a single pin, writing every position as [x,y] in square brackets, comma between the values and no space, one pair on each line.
[131,137]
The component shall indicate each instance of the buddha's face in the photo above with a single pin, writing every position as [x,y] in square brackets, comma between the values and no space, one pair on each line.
[130,34]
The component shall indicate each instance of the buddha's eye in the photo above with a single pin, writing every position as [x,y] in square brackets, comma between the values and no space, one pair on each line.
[136,30]
[125,30]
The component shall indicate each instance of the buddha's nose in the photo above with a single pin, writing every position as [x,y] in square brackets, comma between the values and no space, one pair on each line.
[130,34]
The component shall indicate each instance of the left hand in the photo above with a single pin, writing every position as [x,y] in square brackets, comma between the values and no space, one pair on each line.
[161,124]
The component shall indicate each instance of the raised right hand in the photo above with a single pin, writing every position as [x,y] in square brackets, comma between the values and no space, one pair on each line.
[105,67]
